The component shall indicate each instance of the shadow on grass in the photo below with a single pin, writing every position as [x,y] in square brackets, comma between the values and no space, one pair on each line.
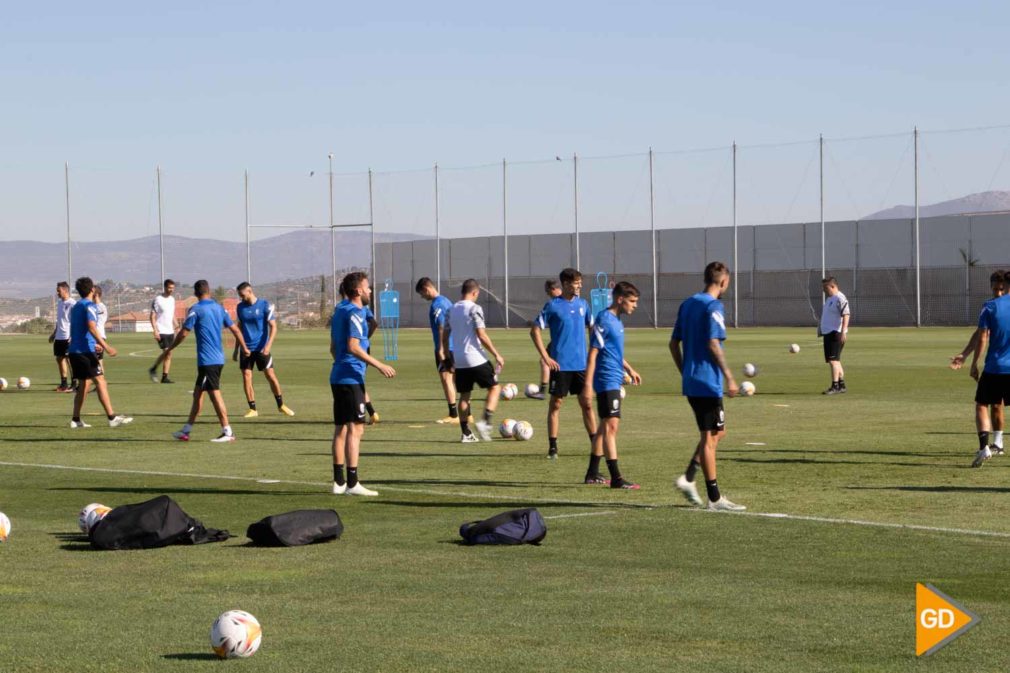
[191,656]
[504,503]
[461,482]
[855,452]
[167,490]
[933,489]
[416,454]
[820,461]
[85,546]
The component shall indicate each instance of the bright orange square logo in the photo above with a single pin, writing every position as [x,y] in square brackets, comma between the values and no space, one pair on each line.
[938,619]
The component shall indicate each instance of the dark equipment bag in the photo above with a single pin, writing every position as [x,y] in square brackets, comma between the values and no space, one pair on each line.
[518,526]
[292,529]
[147,525]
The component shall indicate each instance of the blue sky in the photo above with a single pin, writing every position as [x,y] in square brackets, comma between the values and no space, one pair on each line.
[209,89]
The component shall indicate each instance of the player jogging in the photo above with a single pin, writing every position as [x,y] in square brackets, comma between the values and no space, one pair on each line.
[464,338]
[85,337]
[606,369]
[207,318]
[163,323]
[258,323]
[438,316]
[696,346]
[567,316]
[60,338]
[552,289]
[349,348]
[834,329]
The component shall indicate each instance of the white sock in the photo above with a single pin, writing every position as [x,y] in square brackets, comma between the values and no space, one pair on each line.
[997,438]
[188,428]
[226,430]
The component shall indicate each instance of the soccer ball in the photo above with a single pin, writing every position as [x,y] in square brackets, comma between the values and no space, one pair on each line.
[82,517]
[514,388]
[623,392]
[794,348]
[747,388]
[5,527]
[532,389]
[627,378]
[506,427]
[523,431]
[750,370]
[235,634]
[94,516]
[507,392]
[3,384]
[24,383]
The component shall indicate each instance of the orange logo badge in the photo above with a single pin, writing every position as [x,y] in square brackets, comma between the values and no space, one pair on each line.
[938,619]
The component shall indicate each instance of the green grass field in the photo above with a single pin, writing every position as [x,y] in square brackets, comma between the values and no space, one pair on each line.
[624,581]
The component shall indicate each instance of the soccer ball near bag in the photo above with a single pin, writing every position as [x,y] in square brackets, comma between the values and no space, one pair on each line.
[750,370]
[94,516]
[235,635]
[523,431]
[794,348]
[24,383]
[747,388]
[82,517]
[506,427]
[5,527]
[532,389]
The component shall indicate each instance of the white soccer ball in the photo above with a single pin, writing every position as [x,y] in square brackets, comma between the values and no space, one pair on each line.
[523,431]
[82,517]
[627,378]
[506,427]
[515,389]
[750,370]
[794,348]
[507,393]
[235,634]
[5,527]
[3,384]
[747,388]
[94,516]
[532,389]
[24,383]
[623,392]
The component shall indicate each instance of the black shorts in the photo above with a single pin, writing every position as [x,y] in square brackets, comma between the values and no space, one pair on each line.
[255,359]
[563,383]
[708,413]
[348,403]
[165,340]
[608,404]
[208,377]
[60,347]
[443,365]
[833,346]
[481,375]
[993,389]
[85,366]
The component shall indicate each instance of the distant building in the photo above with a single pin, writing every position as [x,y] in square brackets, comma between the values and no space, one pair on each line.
[134,321]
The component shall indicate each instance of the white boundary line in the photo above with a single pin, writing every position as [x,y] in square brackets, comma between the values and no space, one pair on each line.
[143,353]
[553,501]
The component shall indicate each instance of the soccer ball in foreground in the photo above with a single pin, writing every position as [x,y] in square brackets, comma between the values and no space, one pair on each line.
[794,348]
[3,384]
[5,527]
[94,516]
[532,389]
[506,427]
[24,383]
[507,393]
[82,517]
[235,634]
[747,388]
[750,370]
[523,431]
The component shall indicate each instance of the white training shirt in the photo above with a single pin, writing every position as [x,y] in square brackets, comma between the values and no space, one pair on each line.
[831,314]
[63,307]
[465,318]
[164,309]
[103,316]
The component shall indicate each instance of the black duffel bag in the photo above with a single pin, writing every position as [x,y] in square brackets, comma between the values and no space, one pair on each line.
[292,529]
[517,526]
[147,525]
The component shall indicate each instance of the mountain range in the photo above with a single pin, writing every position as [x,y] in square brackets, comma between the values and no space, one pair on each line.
[982,202]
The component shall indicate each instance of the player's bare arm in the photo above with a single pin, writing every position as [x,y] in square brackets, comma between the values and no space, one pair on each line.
[93,328]
[719,357]
[586,396]
[538,341]
[973,347]
[272,327]
[355,349]
[678,356]
[636,378]
[239,341]
[485,341]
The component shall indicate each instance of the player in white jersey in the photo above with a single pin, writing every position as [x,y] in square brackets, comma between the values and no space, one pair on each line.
[464,339]
[164,325]
[60,338]
[834,329]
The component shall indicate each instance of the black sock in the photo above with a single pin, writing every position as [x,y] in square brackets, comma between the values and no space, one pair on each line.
[841,383]
[352,477]
[488,415]
[453,411]
[370,408]
[615,472]
[983,439]
[76,419]
[692,470]
[164,376]
[280,400]
[252,404]
[713,490]
[552,442]
[543,386]
[464,426]
[111,416]
[338,474]
[594,466]
[63,381]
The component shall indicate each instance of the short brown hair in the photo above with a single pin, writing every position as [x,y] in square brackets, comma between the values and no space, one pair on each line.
[550,285]
[569,275]
[830,280]
[469,285]
[714,272]
[351,282]
[626,289]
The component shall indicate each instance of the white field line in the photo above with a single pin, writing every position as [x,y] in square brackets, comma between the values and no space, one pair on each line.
[144,353]
[648,506]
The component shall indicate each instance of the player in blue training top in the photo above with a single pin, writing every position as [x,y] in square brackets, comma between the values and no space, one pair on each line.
[700,331]
[552,288]
[258,322]
[349,348]
[438,316]
[83,351]
[607,369]
[567,317]
[207,318]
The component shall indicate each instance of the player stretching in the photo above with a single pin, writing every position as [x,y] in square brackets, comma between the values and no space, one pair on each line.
[553,289]
[464,338]
[700,331]
[207,318]
[834,329]
[567,316]
[438,315]
[85,338]
[349,348]
[258,323]
[994,383]
[606,368]
[163,324]
[60,338]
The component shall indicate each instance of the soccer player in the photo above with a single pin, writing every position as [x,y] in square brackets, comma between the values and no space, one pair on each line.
[438,315]
[834,329]
[207,318]
[464,338]
[349,348]
[552,289]
[163,323]
[60,338]
[568,316]
[258,323]
[85,338]
[700,330]
[606,369]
